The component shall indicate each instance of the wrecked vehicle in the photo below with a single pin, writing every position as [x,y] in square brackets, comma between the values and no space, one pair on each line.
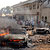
[43,30]
[14,40]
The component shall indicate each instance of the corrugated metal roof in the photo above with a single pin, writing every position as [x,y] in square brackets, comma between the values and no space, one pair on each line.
[29,1]
[22,3]
[46,4]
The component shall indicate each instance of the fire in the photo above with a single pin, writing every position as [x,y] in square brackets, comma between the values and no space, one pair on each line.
[16,40]
[4,33]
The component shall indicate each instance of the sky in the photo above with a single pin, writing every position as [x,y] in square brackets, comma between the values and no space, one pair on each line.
[4,3]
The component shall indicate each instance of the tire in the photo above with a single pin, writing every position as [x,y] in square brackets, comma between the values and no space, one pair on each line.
[47,32]
[0,44]
[25,44]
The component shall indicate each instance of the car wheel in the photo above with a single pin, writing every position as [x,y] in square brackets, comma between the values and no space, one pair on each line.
[47,32]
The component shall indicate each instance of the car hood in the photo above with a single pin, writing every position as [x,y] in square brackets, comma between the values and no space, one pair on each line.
[43,28]
[14,36]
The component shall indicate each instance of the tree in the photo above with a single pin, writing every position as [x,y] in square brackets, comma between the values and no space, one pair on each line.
[6,10]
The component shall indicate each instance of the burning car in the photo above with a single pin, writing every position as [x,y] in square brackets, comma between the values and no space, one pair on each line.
[14,40]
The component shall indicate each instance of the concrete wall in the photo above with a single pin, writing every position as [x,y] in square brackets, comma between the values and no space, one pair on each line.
[46,12]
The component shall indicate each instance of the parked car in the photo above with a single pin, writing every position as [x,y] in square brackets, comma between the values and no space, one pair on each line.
[43,30]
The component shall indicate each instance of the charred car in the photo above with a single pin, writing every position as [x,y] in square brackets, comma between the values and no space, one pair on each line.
[14,40]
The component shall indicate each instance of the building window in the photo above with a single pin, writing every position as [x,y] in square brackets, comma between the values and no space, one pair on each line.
[45,18]
[42,18]
[34,6]
[21,17]
[30,7]
[38,6]
[37,13]
[27,6]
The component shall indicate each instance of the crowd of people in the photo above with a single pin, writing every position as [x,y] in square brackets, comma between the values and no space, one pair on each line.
[42,24]
[32,23]
[26,22]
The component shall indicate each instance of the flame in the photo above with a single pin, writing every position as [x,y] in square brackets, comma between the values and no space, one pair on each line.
[16,40]
[3,34]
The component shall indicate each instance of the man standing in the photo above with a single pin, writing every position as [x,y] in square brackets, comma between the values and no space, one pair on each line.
[32,24]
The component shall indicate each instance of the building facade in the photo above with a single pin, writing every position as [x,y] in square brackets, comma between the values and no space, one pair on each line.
[27,10]
[32,10]
[45,12]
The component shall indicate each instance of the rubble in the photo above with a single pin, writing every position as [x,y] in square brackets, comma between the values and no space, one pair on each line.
[38,39]
[42,47]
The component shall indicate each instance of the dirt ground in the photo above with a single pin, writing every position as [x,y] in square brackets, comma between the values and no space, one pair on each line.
[39,47]
[42,47]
